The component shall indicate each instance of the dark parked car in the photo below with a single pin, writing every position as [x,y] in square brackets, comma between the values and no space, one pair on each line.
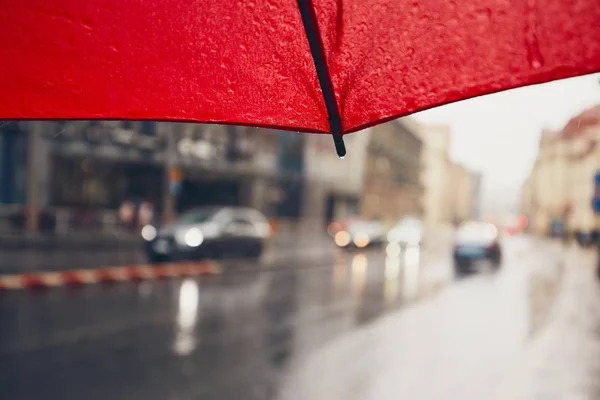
[476,241]
[208,233]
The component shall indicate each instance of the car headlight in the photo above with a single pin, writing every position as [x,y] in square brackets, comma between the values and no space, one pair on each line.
[148,232]
[193,237]
[342,238]
[361,240]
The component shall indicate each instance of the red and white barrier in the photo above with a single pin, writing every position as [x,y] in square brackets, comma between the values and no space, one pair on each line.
[106,275]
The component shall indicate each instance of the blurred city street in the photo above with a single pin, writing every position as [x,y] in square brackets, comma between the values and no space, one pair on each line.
[446,256]
[383,323]
[310,200]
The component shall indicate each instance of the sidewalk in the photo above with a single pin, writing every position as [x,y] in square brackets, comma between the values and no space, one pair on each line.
[563,361]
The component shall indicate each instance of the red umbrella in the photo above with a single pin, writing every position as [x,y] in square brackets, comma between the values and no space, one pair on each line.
[307,65]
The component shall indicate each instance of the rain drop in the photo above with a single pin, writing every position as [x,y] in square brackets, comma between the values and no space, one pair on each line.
[414,7]
[534,55]
[487,14]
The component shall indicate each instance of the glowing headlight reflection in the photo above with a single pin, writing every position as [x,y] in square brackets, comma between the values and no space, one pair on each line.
[392,272]
[392,268]
[393,250]
[402,264]
[342,239]
[148,232]
[412,255]
[359,274]
[193,237]
[340,274]
[411,272]
[391,283]
[187,316]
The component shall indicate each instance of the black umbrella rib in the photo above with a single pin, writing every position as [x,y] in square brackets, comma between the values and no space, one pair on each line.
[311,27]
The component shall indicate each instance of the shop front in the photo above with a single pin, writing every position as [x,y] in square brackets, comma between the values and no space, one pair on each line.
[95,168]
[85,182]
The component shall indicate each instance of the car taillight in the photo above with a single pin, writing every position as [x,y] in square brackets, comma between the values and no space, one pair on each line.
[272,227]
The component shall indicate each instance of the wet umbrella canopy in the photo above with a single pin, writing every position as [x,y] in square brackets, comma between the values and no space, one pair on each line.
[306,65]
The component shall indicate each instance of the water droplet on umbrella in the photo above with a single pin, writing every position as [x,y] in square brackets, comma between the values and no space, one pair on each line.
[414,7]
[534,55]
[486,13]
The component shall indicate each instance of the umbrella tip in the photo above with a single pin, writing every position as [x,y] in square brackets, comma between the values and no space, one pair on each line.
[340,147]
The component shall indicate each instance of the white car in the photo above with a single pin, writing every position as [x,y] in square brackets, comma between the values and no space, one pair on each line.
[408,231]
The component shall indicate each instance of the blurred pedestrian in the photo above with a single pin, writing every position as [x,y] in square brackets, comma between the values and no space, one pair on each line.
[145,213]
[127,213]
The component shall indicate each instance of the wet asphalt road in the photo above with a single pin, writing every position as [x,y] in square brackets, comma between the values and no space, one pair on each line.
[366,325]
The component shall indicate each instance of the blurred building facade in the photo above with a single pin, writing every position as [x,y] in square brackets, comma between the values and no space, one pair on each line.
[392,176]
[460,197]
[451,191]
[91,167]
[87,170]
[560,187]
[435,174]
[334,186]
[476,187]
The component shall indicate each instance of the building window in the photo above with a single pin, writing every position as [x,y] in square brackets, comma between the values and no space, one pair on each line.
[148,128]
[127,124]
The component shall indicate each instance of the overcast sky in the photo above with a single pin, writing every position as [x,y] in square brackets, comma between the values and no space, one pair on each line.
[498,134]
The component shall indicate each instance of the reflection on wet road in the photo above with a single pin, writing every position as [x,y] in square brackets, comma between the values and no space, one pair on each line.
[386,323]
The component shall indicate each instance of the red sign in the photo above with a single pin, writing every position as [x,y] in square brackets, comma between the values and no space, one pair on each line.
[175,175]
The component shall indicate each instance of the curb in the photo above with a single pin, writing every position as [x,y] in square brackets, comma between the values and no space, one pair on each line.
[106,275]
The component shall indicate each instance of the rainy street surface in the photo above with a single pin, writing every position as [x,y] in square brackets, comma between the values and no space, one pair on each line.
[382,324]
